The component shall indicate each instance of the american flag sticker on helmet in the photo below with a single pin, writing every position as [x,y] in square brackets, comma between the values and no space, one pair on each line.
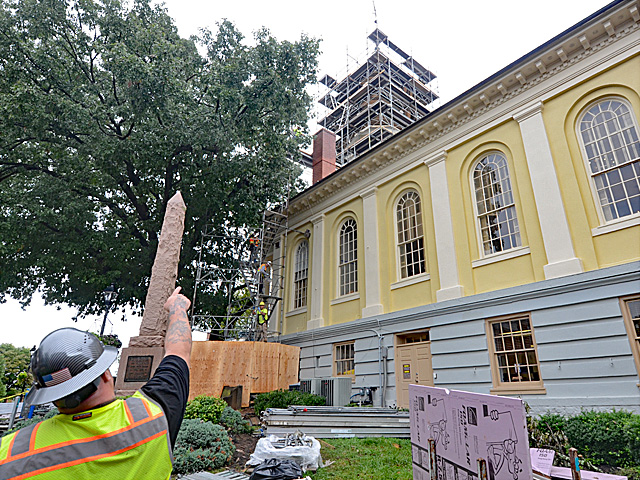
[56,377]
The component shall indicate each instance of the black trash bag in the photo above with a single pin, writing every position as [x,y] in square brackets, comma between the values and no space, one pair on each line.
[277,469]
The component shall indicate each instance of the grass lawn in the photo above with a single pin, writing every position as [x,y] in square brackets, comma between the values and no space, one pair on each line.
[365,458]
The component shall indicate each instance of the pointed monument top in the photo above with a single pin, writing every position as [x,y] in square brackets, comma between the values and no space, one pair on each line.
[177,200]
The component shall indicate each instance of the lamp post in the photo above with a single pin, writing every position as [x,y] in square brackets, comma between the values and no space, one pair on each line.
[110,296]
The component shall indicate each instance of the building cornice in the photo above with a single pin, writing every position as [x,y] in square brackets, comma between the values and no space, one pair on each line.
[495,99]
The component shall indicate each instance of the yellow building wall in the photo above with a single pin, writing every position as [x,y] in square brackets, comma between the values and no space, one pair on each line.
[503,273]
[351,309]
[395,295]
[561,115]
[298,322]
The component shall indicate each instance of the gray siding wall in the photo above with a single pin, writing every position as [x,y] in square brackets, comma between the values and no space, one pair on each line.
[583,348]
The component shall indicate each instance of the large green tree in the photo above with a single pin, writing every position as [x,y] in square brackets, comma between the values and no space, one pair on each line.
[16,360]
[106,112]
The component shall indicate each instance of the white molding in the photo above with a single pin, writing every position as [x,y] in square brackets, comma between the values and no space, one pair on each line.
[618,224]
[499,257]
[435,158]
[405,282]
[556,235]
[317,268]
[372,310]
[345,298]
[315,323]
[457,291]
[371,247]
[570,266]
[443,222]
[296,311]
[528,112]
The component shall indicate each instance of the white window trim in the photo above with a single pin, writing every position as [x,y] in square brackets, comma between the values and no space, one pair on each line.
[399,278]
[585,161]
[346,298]
[405,282]
[481,253]
[500,256]
[617,224]
[337,293]
[296,311]
[293,284]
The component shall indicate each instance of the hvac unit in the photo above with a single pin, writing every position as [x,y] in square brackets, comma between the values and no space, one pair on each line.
[310,385]
[336,390]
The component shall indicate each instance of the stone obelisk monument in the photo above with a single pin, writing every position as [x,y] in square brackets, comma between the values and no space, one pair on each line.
[141,358]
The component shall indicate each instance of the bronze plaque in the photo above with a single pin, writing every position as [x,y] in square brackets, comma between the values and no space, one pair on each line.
[138,368]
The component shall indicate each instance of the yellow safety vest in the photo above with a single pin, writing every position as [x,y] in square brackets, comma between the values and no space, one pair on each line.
[262,315]
[126,439]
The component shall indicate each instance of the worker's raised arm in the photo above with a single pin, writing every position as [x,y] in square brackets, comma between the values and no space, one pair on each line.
[178,338]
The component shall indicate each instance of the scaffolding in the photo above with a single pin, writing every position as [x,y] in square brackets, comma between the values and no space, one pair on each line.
[385,94]
[252,272]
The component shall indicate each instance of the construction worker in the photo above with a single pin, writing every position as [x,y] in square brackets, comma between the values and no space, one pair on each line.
[264,276]
[263,317]
[254,244]
[95,435]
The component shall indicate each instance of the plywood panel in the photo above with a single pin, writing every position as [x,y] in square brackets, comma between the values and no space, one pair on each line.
[257,366]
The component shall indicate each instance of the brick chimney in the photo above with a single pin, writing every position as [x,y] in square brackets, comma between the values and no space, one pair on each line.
[324,154]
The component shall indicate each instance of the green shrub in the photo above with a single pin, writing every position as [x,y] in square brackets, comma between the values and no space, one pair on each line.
[602,437]
[205,408]
[201,446]
[284,398]
[605,440]
[232,420]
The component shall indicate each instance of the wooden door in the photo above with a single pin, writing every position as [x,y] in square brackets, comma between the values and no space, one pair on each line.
[413,365]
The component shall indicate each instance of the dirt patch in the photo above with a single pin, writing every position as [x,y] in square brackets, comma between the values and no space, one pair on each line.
[245,444]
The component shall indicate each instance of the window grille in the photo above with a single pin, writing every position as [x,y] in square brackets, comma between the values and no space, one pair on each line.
[410,235]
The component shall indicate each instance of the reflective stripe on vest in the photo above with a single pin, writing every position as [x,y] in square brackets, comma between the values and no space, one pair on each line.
[25,461]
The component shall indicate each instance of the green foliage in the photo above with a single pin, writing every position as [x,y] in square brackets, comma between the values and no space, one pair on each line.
[201,446]
[111,339]
[232,420]
[605,440]
[16,360]
[3,388]
[284,398]
[602,437]
[105,113]
[205,408]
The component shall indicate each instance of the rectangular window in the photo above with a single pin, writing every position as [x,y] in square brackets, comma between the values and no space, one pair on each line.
[631,312]
[343,359]
[514,359]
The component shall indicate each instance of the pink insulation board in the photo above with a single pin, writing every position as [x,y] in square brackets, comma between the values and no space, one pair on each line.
[466,427]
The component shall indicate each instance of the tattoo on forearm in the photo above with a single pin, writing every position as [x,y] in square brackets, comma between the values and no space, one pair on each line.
[179,330]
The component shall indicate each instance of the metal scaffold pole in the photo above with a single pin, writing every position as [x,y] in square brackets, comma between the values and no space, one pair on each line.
[251,272]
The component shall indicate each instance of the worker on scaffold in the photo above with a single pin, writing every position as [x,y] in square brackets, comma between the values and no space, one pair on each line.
[254,248]
[263,317]
[264,276]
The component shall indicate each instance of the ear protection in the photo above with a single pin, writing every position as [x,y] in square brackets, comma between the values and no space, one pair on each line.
[79,396]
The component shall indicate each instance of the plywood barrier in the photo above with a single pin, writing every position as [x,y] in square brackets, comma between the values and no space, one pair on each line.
[257,366]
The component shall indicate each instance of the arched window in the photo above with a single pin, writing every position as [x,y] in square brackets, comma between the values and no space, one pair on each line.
[348,257]
[495,208]
[609,135]
[300,275]
[410,235]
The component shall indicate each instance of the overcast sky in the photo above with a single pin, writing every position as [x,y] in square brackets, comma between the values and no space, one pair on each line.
[462,42]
